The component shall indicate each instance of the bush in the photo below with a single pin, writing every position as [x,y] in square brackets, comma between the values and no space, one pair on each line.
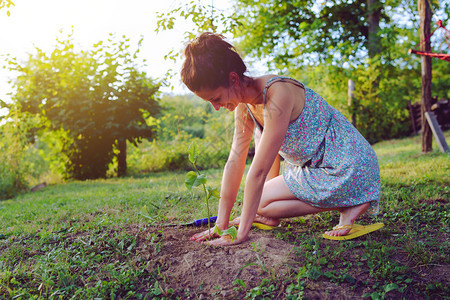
[159,156]
[185,120]
[382,94]
[13,166]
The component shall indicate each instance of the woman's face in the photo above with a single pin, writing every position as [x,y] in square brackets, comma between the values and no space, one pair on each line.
[220,97]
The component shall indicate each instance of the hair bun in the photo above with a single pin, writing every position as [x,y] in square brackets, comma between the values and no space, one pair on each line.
[209,61]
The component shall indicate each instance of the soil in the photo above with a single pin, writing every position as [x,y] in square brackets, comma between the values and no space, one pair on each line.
[202,271]
[198,271]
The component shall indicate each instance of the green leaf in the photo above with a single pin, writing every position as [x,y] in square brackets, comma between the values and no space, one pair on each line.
[193,153]
[303,25]
[232,231]
[192,180]
[390,287]
[374,295]
[349,278]
[239,282]
[214,192]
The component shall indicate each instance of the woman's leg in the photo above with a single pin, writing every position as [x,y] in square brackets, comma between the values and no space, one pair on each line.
[277,202]
[348,217]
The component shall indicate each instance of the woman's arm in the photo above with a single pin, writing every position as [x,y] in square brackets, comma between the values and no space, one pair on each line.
[275,170]
[234,169]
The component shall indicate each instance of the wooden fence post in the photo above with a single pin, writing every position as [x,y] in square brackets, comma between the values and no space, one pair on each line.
[425,20]
[351,98]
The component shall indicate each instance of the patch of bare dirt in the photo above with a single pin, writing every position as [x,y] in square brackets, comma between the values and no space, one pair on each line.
[207,270]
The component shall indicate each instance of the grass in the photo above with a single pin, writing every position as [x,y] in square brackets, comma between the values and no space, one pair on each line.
[78,239]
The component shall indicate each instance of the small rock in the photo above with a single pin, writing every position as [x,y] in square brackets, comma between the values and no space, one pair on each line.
[225,294]
[209,263]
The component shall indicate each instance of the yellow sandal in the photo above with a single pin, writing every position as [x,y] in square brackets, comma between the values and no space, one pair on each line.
[356,230]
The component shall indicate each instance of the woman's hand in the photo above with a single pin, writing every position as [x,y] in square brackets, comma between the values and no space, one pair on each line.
[202,236]
[216,239]
[225,240]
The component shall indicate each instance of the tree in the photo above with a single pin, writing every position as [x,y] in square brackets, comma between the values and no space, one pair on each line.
[98,97]
[299,32]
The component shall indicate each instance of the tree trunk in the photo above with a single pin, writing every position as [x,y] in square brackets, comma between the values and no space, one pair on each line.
[425,20]
[374,12]
[122,157]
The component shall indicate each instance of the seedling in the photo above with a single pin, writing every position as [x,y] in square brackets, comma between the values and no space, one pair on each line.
[195,179]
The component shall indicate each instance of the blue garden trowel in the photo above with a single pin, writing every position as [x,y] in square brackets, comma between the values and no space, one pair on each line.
[197,223]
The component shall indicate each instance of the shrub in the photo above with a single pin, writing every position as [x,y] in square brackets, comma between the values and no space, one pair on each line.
[185,120]
[382,94]
[13,167]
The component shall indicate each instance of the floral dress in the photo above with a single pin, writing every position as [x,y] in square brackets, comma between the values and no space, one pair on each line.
[328,163]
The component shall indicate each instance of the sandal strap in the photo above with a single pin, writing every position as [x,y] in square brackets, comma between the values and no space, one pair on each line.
[347,226]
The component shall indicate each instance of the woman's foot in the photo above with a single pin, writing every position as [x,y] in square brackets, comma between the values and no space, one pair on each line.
[348,217]
[259,219]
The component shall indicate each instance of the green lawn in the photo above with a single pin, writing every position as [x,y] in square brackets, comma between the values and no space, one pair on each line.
[74,240]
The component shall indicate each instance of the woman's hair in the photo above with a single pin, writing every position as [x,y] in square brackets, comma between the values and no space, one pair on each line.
[209,61]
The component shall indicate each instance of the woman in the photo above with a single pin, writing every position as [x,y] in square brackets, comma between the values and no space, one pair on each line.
[328,164]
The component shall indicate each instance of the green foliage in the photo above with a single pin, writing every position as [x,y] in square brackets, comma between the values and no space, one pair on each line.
[25,159]
[13,165]
[327,81]
[382,96]
[290,31]
[184,115]
[440,85]
[170,151]
[96,97]
[204,17]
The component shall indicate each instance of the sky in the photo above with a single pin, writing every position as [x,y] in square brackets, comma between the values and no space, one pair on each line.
[37,23]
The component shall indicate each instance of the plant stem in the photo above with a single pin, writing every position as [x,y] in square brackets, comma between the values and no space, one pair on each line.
[207,209]
[207,202]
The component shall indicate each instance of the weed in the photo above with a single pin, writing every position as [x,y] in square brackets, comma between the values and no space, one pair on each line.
[295,291]
[264,291]
[383,291]
[156,242]
[240,285]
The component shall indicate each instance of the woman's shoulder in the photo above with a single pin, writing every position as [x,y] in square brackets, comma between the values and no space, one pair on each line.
[262,81]
[283,91]
[266,81]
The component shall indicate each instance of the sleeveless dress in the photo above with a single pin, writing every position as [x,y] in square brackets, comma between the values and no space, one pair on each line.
[327,162]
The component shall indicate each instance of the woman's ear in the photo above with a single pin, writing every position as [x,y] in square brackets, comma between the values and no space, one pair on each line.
[233,78]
